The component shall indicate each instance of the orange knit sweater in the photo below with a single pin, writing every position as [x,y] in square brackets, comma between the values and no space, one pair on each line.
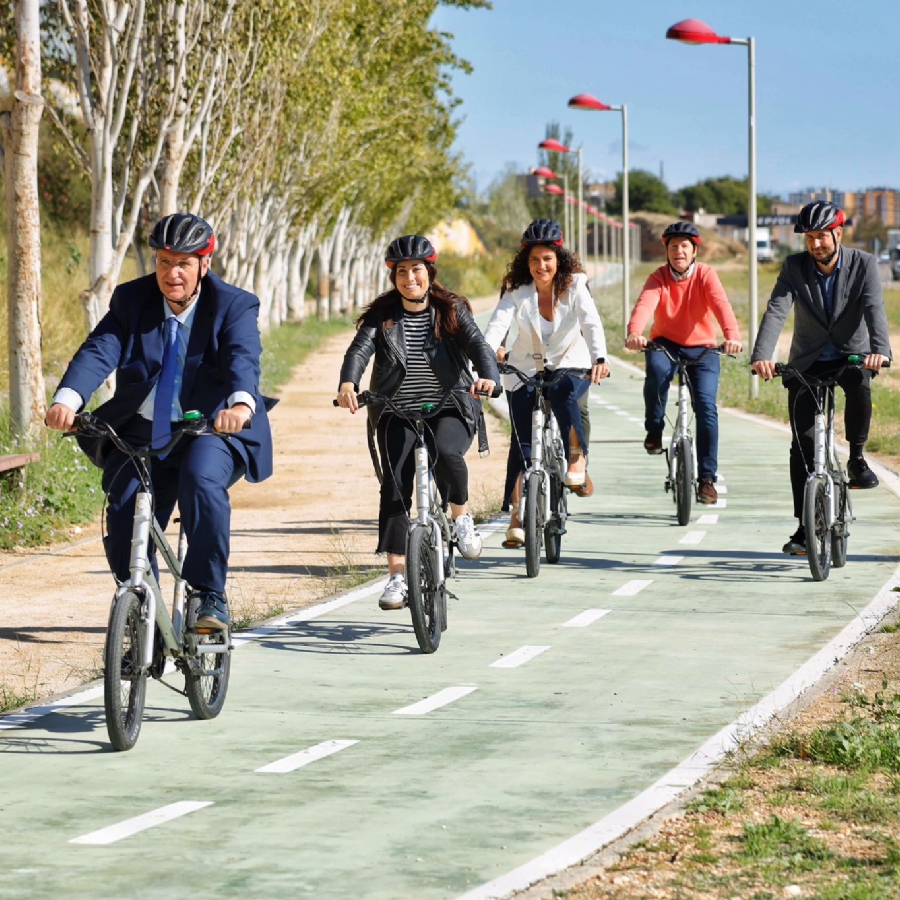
[686,311]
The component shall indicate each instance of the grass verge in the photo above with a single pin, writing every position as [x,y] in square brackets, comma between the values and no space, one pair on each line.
[812,813]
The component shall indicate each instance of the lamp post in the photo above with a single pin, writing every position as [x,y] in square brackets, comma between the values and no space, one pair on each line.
[588,101]
[556,147]
[692,31]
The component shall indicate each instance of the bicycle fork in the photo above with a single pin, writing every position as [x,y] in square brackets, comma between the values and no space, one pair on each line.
[143,584]
[537,464]
[821,445]
[424,487]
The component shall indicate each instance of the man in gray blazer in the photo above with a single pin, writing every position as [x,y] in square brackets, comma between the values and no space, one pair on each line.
[838,310]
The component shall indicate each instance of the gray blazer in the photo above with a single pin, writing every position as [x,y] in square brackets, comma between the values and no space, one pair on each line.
[859,323]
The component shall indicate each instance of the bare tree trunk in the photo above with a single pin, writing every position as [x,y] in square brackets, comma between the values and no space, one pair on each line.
[19,132]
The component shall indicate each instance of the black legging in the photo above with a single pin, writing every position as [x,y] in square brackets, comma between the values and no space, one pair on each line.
[802,411]
[448,438]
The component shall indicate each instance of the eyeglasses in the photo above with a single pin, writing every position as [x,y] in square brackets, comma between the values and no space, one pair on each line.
[189,264]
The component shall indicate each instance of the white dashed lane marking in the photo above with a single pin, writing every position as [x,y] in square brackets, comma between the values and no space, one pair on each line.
[436,701]
[113,833]
[518,657]
[710,519]
[668,561]
[305,757]
[693,537]
[632,587]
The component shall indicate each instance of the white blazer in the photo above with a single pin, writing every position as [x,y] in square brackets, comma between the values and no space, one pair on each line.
[577,339]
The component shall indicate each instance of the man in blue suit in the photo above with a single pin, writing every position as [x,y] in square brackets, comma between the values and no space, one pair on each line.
[207,359]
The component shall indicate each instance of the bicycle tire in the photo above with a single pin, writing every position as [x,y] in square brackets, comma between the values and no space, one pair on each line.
[840,531]
[206,692]
[552,536]
[124,679]
[684,478]
[818,535]
[424,594]
[534,527]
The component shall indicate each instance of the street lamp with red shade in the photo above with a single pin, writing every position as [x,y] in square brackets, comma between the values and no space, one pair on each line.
[555,146]
[693,31]
[591,103]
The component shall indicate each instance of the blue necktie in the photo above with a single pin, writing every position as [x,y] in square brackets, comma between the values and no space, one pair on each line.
[165,388]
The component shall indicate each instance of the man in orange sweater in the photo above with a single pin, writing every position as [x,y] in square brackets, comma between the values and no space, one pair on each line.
[685,300]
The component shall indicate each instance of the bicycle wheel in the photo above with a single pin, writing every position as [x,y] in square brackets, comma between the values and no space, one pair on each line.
[818,535]
[534,525]
[840,531]
[425,594]
[206,674]
[552,536]
[684,477]
[124,682]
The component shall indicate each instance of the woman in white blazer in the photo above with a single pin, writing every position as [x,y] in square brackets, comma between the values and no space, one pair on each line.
[545,293]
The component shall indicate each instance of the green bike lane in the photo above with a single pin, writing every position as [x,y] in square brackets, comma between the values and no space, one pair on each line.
[694,625]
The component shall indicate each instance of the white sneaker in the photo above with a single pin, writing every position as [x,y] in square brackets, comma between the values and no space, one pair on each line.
[467,538]
[394,596]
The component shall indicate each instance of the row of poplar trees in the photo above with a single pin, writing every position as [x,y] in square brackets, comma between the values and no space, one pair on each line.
[306,131]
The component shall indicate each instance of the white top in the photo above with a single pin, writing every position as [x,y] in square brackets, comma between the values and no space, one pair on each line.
[576,338]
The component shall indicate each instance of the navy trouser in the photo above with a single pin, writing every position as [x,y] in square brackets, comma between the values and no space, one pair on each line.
[802,411]
[703,383]
[197,474]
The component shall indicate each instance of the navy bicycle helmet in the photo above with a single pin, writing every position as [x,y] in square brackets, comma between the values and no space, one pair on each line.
[682,230]
[820,215]
[408,248]
[542,231]
[183,233]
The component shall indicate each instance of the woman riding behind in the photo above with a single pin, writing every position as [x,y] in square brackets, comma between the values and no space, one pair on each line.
[545,291]
[423,337]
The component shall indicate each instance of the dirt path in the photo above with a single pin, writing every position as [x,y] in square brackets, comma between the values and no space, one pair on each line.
[295,538]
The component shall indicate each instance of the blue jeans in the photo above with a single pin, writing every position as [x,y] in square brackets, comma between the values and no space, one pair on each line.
[703,383]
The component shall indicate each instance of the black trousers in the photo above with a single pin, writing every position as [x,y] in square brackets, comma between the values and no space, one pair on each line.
[855,384]
[448,438]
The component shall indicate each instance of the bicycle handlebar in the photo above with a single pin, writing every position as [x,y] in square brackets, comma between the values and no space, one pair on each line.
[364,398]
[548,378]
[720,350]
[854,361]
[90,425]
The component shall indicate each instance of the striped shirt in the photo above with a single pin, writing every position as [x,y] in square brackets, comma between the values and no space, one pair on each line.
[421,384]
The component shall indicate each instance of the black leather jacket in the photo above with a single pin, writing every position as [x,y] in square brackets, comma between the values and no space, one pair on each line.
[382,334]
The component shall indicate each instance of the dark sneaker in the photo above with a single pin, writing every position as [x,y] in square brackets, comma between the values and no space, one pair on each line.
[212,611]
[706,492]
[796,545]
[653,443]
[861,476]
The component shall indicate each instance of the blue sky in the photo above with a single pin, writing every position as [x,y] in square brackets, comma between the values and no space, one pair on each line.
[827,88]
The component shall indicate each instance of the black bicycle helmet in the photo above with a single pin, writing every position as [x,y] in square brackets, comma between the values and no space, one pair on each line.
[408,248]
[542,231]
[183,233]
[820,215]
[682,230]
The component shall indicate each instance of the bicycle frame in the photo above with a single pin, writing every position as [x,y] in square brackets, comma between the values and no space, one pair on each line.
[428,508]
[682,425]
[825,459]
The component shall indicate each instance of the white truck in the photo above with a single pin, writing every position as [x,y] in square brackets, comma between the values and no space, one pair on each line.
[765,252]
[893,247]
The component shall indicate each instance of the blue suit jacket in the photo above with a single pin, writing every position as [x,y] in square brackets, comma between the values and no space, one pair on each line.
[222,357]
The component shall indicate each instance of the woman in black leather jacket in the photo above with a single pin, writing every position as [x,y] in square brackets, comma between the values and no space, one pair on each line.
[423,337]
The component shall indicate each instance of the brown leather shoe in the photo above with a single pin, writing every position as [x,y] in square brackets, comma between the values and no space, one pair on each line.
[586,489]
[707,492]
[653,443]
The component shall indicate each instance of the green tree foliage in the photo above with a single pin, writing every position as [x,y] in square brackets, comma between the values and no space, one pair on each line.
[726,196]
[646,193]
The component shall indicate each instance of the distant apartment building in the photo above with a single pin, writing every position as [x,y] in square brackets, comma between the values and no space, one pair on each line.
[873,203]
